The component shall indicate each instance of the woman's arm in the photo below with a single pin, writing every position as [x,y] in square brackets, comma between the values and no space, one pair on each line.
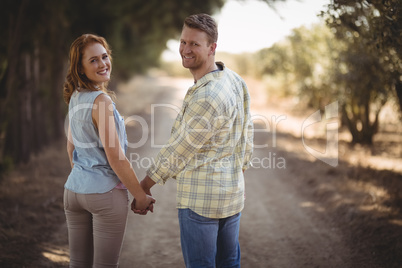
[102,115]
[70,146]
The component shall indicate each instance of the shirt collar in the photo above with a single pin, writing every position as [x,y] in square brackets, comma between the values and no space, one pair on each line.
[210,76]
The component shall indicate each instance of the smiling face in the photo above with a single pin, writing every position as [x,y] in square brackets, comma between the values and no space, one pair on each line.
[196,52]
[96,63]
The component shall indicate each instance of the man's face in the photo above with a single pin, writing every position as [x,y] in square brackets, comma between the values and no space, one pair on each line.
[194,48]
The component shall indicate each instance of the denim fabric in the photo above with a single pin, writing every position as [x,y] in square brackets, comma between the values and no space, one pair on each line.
[92,172]
[209,243]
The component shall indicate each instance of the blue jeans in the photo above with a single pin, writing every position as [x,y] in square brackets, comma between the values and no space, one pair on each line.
[209,243]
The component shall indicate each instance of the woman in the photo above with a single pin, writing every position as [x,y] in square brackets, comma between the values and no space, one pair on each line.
[95,196]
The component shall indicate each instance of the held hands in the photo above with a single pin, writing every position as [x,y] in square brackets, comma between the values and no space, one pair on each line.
[142,207]
[136,207]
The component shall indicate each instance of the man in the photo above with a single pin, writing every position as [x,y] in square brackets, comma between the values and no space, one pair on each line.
[209,149]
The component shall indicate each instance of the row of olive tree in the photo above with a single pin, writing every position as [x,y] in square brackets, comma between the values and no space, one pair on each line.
[34,40]
[356,60]
[370,65]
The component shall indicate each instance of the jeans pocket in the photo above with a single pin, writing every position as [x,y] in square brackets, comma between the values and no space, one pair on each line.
[197,217]
[99,202]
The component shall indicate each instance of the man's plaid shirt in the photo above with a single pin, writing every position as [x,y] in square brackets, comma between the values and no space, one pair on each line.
[210,145]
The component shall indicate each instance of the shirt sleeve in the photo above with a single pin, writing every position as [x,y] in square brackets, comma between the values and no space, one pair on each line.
[249,131]
[198,125]
[249,145]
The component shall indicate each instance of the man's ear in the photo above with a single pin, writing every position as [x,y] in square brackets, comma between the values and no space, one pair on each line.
[213,49]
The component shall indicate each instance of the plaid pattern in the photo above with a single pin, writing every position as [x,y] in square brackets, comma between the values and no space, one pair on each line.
[210,144]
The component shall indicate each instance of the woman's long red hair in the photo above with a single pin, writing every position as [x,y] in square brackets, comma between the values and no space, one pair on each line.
[75,80]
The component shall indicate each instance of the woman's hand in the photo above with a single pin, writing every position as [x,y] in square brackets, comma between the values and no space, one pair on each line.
[143,205]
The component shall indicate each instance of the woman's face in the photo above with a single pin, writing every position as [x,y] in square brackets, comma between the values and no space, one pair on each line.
[96,64]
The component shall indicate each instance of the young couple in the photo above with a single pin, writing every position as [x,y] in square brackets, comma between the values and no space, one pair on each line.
[213,124]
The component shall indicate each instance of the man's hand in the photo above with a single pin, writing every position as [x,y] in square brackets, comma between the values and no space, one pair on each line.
[142,211]
[146,185]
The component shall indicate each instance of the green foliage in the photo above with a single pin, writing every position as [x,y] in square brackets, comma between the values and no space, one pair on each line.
[369,67]
[240,63]
[303,61]
[364,94]
[137,30]
[374,25]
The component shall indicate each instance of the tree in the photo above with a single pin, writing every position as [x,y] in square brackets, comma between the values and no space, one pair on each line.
[320,69]
[369,68]
[376,24]
[34,39]
[362,95]
[304,61]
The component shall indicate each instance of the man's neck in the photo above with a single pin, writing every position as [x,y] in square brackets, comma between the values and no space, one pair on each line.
[199,73]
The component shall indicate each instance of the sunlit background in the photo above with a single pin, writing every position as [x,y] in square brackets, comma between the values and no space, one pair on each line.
[247,26]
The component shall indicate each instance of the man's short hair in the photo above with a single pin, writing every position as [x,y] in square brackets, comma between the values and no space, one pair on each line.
[205,23]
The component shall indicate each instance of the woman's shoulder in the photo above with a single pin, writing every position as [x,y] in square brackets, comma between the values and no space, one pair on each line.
[88,96]
[102,97]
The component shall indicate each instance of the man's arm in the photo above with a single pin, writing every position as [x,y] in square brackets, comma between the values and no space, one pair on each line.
[198,125]
[249,145]
[147,184]
[249,132]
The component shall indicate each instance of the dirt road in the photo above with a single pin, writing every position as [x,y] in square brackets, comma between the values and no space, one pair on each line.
[279,227]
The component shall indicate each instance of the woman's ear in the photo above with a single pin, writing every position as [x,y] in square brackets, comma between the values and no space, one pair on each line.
[80,71]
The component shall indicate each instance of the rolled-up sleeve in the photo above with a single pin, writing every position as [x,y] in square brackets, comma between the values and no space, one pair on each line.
[249,145]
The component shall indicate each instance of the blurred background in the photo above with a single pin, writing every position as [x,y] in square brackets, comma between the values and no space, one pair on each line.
[297,57]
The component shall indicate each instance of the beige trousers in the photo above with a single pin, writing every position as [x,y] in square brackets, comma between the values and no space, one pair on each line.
[96,224]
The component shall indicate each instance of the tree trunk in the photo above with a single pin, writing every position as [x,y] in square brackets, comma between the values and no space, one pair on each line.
[9,110]
[366,133]
[57,104]
[25,97]
[398,89]
[37,112]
